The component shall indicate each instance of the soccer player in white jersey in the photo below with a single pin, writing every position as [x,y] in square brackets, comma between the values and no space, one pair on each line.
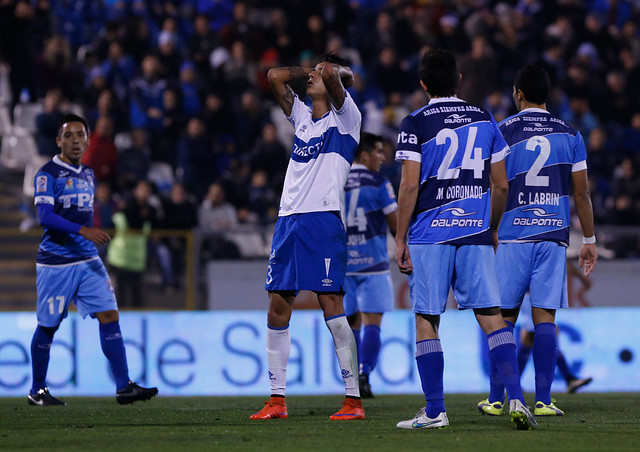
[371,213]
[547,157]
[309,249]
[452,153]
[68,266]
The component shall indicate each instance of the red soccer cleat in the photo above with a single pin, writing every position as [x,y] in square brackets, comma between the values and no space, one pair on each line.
[351,410]
[275,408]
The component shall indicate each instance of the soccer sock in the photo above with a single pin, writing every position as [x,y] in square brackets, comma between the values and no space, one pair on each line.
[113,348]
[563,367]
[345,345]
[356,336]
[40,350]
[523,357]
[496,386]
[430,361]
[502,347]
[370,348]
[545,344]
[278,349]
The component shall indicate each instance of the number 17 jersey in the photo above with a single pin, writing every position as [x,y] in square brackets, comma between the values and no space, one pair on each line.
[455,144]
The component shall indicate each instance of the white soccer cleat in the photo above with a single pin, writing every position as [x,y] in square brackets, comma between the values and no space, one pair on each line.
[421,420]
[521,416]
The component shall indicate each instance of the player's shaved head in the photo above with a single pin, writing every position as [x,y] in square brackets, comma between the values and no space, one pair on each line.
[534,83]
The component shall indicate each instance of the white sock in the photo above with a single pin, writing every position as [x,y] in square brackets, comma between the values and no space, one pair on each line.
[278,349]
[345,345]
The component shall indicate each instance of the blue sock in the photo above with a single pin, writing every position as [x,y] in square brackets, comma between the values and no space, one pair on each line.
[370,348]
[563,367]
[502,347]
[523,357]
[113,348]
[496,386]
[356,335]
[430,361]
[545,344]
[40,349]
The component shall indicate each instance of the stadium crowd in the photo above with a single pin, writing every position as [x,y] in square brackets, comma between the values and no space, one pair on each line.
[175,92]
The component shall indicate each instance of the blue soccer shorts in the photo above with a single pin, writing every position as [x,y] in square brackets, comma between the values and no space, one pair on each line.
[468,269]
[537,267]
[368,293]
[86,283]
[309,252]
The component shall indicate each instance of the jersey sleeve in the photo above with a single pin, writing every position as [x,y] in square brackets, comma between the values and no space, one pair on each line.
[44,188]
[500,147]
[408,147]
[387,198]
[297,111]
[579,155]
[348,117]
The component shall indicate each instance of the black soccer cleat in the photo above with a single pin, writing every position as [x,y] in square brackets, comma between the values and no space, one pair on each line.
[44,398]
[365,387]
[133,393]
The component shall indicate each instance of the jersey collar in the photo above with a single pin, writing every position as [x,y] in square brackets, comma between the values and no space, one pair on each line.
[435,100]
[358,166]
[534,110]
[75,169]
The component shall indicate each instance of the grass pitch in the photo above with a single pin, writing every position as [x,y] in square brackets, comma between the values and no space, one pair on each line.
[592,422]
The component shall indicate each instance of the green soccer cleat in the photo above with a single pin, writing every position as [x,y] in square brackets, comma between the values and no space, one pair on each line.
[542,409]
[490,408]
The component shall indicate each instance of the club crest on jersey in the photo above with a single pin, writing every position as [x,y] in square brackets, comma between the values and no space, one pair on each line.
[69,184]
[41,184]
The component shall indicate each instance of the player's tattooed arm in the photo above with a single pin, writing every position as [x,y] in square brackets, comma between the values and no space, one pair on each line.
[333,76]
[279,79]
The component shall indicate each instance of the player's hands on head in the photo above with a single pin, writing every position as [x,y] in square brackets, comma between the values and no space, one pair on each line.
[588,258]
[403,259]
[97,236]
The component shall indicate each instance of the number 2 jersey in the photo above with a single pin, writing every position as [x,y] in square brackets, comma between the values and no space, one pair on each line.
[455,144]
[544,153]
[69,189]
[369,198]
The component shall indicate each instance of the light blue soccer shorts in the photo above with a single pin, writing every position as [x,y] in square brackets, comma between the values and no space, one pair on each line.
[469,269]
[86,283]
[368,293]
[537,267]
[309,252]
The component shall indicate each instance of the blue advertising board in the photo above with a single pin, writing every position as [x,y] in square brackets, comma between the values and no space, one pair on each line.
[223,353]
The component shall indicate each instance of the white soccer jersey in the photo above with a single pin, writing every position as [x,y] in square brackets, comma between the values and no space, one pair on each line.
[323,150]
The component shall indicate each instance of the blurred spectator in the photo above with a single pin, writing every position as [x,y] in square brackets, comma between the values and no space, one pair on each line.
[104,208]
[387,73]
[263,201]
[191,90]
[101,154]
[215,217]
[134,162]
[47,124]
[579,116]
[480,72]
[624,202]
[173,122]
[119,70]
[270,155]
[55,69]
[249,120]
[109,107]
[168,54]
[201,44]
[146,96]
[196,160]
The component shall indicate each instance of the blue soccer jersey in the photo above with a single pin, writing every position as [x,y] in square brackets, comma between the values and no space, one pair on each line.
[323,151]
[455,143]
[544,153]
[369,198]
[69,189]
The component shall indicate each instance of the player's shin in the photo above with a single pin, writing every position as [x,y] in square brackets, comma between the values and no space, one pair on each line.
[345,345]
[278,349]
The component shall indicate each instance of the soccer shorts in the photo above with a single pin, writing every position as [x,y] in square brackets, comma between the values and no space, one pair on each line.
[309,252]
[469,269]
[368,293]
[86,283]
[537,267]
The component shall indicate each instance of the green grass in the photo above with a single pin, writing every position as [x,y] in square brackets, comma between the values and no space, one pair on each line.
[592,422]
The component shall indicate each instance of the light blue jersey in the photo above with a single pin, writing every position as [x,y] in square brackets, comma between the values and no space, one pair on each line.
[544,153]
[369,198]
[455,143]
[69,189]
